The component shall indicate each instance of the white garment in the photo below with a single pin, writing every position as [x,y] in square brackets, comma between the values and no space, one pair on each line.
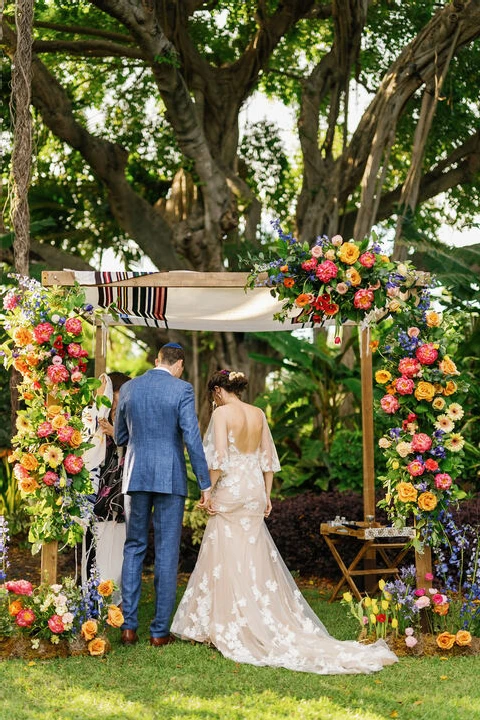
[241,596]
[94,456]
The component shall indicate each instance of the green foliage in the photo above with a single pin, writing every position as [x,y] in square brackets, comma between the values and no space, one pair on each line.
[12,506]
[303,402]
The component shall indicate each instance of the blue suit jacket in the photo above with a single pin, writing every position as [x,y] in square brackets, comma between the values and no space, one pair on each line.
[155,417]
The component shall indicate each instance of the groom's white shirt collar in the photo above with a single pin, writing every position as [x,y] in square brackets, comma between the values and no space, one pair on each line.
[162,367]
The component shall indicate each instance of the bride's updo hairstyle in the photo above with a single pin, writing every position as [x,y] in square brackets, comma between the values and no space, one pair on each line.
[229,380]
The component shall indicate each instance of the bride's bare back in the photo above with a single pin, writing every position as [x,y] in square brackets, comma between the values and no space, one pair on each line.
[244,422]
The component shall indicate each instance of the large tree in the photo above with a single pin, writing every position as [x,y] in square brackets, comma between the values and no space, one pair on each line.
[138,145]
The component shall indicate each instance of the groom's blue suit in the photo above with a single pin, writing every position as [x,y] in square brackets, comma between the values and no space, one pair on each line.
[155,417]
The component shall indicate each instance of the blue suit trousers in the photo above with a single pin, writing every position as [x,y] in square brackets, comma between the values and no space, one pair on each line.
[167,513]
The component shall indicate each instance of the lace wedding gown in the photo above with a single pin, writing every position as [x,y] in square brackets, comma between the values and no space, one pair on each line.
[241,596]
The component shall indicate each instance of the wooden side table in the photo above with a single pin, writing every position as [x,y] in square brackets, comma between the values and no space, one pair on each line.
[391,544]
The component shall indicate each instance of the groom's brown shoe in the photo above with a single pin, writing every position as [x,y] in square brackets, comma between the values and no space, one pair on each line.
[160,641]
[129,637]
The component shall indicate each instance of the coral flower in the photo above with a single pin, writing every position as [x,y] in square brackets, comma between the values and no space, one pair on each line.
[363,299]
[73,464]
[421,442]
[22,336]
[73,326]
[44,429]
[367,259]
[43,332]
[416,468]
[408,367]
[389,404]
[302,300]
[404,385]
[25,618]
[289,282]
[426,354]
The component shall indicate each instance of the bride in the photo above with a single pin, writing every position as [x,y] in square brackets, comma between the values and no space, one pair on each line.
[241,597]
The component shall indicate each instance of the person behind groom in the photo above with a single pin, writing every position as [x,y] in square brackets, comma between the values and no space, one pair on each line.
[155,418]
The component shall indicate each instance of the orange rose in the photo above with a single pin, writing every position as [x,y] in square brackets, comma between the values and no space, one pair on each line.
[59,421]
[76,439]
[348,253]
[14,607]
[29,462]
[433,319]
[22,336]
[427,501]
[89,629]
[105,588]
[353,276]
[445,641]
[450,388]
[32,359]
[441,609]
[424,391]
[463,638]
[447,366]
[97,646]
[289,282]
[28,485]
[406,492]
[115,617]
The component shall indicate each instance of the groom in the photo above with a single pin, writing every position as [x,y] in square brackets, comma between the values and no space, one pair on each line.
[155,418]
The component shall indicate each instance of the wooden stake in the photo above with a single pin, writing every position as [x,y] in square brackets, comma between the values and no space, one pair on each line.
[368,440]
[48,569]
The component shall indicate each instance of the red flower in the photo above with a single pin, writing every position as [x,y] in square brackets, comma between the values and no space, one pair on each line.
[58,342]
[73,326]
[363,299]
[19,587]
[408,366]
[421,442]
[416,468]
[431,464]
[326,271]
[309,265]
[64,434]
[43,332]
[58,373]
[44,429]
[426,354]
[367,259]
[74,350]
[404,385]
[55,624]
[381,617]
[50,478]
[25,618]
[73,464]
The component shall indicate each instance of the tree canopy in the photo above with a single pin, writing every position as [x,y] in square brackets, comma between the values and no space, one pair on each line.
[138,144]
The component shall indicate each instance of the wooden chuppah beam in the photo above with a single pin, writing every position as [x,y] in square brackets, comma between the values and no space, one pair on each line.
[175,278]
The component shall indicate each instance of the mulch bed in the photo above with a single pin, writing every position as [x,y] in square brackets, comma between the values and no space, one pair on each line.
[427,647]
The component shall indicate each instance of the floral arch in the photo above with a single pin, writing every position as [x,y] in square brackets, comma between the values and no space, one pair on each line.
[332,281]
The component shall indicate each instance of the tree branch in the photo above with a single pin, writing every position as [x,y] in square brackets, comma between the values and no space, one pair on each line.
[87,48]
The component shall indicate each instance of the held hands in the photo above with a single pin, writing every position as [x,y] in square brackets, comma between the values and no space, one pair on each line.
[205,502]
[105,426]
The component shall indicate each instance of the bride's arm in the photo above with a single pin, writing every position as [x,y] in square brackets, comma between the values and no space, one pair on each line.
[269,462]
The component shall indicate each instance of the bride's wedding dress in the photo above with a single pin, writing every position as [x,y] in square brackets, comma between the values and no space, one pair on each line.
[241,596]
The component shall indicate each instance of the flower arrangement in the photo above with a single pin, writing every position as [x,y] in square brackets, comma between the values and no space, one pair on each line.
[45,345]
[344,280]
[424,447]
[74,619]
[414,617]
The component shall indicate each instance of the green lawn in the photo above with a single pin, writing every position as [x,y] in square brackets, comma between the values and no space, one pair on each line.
[190,682]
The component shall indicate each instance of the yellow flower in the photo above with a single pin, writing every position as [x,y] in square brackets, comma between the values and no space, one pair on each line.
[347,597]
[387,595]
[463,638]
[59,421]
[445,641]
[23,425]
[29,462]
[373,618]
[28,485]
[433,319]
[424,391]
[348,253]
[353,276]
[89,629]
[438,403]
[381,584]
[427,501]
[22,336]
[105,588]
[394,623]
[450,388]
[382,376]
[385,604]
[97,646]
[115,616]
[447,366]
[395,465]
[406,492]
[53,410]
[367,602]
[52,455]
[76,439]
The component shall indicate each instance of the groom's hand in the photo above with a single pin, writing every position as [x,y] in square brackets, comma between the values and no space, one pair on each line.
[204,499]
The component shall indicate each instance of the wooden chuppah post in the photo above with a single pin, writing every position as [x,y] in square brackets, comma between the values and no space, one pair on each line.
[368,439]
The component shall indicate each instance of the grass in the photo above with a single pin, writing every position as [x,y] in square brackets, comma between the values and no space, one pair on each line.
[194,682]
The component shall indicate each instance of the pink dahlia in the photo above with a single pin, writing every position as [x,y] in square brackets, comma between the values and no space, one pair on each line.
[73,464]
[443,481]
[50,478]
[404,385]
[426,354]
[64,434]
[19,587]
[43,332]
[25,618]
[363,299]
[367,259]
[416,468]
[58,373]
[55,623]
[389,404]
[421,442]
[326,271]
[44,429]
[309,265]
[74,326]
[408,367]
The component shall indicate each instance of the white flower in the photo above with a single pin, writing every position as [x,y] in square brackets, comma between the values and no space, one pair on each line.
[455,411]
[444,423]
